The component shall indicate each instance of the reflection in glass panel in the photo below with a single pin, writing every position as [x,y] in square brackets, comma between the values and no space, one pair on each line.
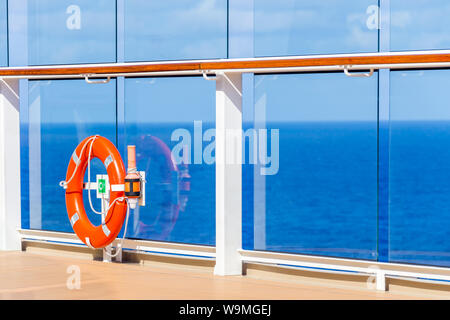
[175,30]
[3,34]
[420,24]
[315,181]
[67,31]
[171,121]
[296,27]
[419,213]
[61,114]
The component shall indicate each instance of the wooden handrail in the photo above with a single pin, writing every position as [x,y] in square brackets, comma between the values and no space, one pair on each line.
[329,61]
[229,65]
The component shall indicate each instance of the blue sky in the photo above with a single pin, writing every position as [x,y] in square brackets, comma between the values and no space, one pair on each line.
[420,24]
[317,97]
[73,101]
[420,95]
[52,42]
[197,29]
[291,27]
[162,100]
[155,30]
[168,30]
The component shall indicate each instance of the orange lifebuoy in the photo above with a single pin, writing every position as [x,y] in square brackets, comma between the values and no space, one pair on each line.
[103,149]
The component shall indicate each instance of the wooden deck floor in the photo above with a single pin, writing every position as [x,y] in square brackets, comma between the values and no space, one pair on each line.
[25,275]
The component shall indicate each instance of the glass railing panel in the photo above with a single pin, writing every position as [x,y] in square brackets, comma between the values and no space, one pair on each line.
[3,34]
[419,211]
[175,30]
[314,183]
[71,32]
[60,113]
[171,121]
[419,25]
[298,27]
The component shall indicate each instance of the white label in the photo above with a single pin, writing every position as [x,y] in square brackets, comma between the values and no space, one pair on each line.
[108,161]
[105,230]
[74,219]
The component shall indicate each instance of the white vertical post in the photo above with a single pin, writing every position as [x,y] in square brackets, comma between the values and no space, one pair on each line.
[228,174]
[9,165]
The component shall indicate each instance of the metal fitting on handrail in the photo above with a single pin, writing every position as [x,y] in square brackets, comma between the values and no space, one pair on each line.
[206,77]
[357,75]
[86,78]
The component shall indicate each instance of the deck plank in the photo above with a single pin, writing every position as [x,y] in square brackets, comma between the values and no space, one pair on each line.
[25,275]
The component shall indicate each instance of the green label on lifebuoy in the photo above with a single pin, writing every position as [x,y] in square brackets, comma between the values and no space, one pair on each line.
[101,186]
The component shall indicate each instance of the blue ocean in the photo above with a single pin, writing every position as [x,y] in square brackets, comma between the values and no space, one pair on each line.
[323,200]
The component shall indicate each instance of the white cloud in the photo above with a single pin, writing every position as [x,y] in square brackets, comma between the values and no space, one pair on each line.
[363,37]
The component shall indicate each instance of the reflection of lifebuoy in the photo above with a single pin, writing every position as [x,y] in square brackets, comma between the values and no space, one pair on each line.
[95,236]
[173,188]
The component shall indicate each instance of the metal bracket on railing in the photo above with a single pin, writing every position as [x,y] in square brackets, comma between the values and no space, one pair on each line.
[206,77]
[86,78]
[216,77]
[357,75]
